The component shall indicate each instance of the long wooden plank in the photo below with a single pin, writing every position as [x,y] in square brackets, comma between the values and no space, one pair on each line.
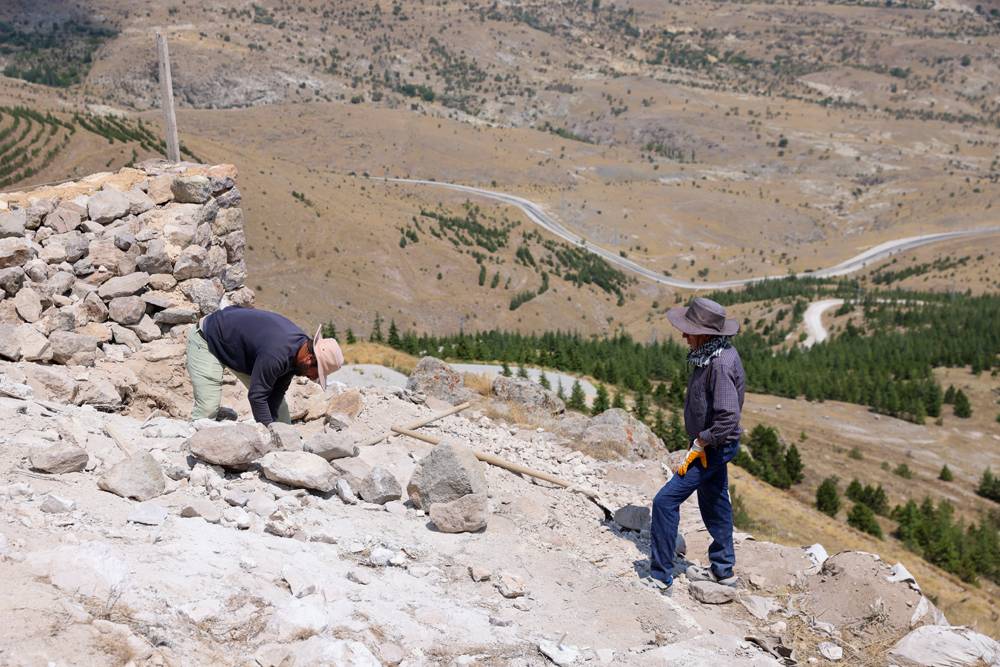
[167,99]
[424,421]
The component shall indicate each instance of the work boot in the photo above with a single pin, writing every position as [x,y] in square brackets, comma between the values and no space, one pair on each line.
[660,587]
[698,573]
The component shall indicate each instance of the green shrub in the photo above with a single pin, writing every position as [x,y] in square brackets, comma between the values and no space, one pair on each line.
[827,497]
[862,518]
[945,474]
[903,471]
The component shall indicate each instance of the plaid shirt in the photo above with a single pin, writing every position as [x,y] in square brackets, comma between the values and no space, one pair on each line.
[715,398]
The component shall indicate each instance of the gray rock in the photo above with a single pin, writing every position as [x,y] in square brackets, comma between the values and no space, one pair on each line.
[146,330]
[345,492]
[124,285]
[52,504]
[227,221]
[380,486]
[28,304]
[436,378]
[447,473]
[230,198]
[33,343]
[380,556]
[16,251]
[559,653]
[633,517]
[709,592]
[12,223]
[510,585]
[126,309]
[179,314]
[124,240]
[138,201]
[126,337]
[100,393]
[138,477]
[528,394]
[107,206]
[261,504]
[10,342]
[94,308]
[155,259]
[191,189]
[235,244]
[104,252]
[464,515]
[37,270]
[148,514]
[231,446]
[21,392]
[37,210]
[63,219]
[237,497]
[73,349]
[74,244]
[614,433]
[331,445]
[299,469]
[353,470]
[59,458]
[60,283]
[203,292]
[11,280]
[286,437]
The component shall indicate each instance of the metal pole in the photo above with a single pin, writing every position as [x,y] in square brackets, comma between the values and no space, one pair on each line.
[167,99]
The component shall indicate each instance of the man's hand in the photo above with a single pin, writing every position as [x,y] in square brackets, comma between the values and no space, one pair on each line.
[696,453]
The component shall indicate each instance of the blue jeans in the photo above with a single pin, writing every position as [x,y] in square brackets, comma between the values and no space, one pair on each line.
[712,485]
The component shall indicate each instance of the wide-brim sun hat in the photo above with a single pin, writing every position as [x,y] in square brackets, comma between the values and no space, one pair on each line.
[329,356]
[703,317]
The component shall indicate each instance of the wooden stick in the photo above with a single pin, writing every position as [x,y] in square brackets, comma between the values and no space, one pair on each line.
[167,99]
[502,463]
[417,424]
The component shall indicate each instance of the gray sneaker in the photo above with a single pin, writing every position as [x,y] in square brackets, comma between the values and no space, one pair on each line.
[698,573]
[666,590]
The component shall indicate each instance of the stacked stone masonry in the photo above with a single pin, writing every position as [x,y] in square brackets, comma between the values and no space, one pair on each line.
[97,267]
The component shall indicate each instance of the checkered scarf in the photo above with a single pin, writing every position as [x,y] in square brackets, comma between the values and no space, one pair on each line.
[703,356]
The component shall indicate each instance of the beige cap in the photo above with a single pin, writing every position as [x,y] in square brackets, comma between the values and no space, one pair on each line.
[329,356]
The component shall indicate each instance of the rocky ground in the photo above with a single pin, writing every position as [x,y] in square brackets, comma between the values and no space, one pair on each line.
[123,541]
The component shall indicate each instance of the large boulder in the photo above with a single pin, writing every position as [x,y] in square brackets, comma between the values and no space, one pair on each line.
[612,434]
[331,445]
[447,473]
[191,189]
[124,285]
[436,378]
[380,487]
[12,223]
[138,477]
[33,344]
[126,309]
[16,251]
[73,349]
[527,393]
[300,470]
[231,446]
[107,206]
[463,515]
[58,458]
[28,304]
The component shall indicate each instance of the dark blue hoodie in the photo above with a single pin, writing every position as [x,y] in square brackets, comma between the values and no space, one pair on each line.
[260,344]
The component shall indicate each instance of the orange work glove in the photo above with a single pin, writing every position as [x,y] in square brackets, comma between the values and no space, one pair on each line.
[696,453]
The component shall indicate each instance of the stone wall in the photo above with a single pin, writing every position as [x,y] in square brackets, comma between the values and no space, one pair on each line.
[97,267]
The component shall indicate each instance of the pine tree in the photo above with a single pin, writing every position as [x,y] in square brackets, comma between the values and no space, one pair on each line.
[827,497]
[949,394]
[862,518]
[903,471]
[577,400]
[963,409]
[543,380]
[351,340]
[393,335]
[640,407]
[505,370]
[522,372]
[855,491]
[934,400]
[793,464]
[661,395]
[560,392]
[945,474]
[619,399]
[989,486]
[660,426]
[329,330]
[600,400]
[482,275]
[376,335]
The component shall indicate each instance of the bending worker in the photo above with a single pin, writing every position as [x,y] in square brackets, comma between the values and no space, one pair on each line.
[712,419]
[264,350]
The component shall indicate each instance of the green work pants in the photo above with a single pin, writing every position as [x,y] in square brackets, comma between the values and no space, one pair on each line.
[205,372]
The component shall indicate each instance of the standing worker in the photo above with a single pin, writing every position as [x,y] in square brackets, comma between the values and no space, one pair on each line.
[712,420]
[264,350]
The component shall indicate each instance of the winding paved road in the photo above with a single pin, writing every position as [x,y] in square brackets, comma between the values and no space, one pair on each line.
[813,318]
[537,214]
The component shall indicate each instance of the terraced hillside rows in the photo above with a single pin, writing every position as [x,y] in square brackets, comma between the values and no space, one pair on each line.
[30,140]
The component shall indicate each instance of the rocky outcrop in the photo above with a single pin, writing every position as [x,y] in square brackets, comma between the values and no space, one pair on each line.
[436,378]
[614,433]
[449,472]
[98,267]
[527,394]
